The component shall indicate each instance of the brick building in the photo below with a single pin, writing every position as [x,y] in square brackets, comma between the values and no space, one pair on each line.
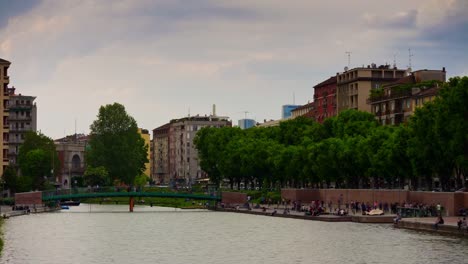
[325,99]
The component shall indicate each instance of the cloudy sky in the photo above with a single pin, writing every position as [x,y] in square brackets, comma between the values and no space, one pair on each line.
[164,59]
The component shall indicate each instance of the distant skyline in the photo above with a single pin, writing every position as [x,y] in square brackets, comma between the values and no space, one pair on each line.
[162,59]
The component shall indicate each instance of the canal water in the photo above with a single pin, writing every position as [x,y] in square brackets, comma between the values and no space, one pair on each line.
[109,234]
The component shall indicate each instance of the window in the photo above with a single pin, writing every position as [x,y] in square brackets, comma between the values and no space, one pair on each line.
[408,103]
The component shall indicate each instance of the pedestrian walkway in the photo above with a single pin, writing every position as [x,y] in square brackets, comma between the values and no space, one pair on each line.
[279,211]
[427,224]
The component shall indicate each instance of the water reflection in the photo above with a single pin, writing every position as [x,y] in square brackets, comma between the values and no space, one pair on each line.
[166,235]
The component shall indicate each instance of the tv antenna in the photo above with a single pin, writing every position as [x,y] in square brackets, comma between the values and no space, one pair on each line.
[409,58]
[349,58]
[394,60]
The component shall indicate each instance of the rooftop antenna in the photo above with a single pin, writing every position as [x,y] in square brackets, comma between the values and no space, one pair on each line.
[189,112]
[245,113]
[409,58]
[394,60]
[349,58]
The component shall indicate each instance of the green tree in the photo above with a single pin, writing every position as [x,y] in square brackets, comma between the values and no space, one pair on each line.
[211,144]
[10,179]
[96,176]
[38,159]
[141,180]
[116,144]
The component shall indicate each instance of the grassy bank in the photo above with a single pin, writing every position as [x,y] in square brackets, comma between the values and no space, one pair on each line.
[155,201]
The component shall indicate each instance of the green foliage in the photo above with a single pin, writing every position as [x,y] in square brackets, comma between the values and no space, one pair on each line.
[422,85]
[141,180]
[116,144]
[38,161]
[94,176]
[349,150]
[378,92]
[10,179]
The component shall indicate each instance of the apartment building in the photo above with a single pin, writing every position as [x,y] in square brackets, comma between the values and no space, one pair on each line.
[160,155]
[4,128]
[307,110]
[395,102]
[184,167]
[22,118]
[325,99]
[354,85]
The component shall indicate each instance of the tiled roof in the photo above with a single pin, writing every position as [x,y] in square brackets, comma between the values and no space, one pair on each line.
[405,80]
[330,80]
[4,61]
[309,105]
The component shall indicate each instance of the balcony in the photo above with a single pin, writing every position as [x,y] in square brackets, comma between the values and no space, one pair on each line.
[15,141]
[19,118]
[20,106]
[20,129]
[393,95]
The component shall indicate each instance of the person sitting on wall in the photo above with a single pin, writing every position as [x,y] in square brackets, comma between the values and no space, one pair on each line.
[463,224]
[397,219]
[439,221]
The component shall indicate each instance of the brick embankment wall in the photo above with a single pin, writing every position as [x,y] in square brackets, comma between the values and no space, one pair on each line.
[28,198]
[345,195]
[233,198]
[452,202]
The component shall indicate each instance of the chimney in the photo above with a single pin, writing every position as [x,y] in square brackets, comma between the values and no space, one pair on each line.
[443,69]
[214,110]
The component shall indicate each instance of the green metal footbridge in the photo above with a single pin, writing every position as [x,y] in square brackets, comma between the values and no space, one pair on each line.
[78,194]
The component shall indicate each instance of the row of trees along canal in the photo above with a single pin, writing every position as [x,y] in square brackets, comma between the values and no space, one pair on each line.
[351,150]
[115,154]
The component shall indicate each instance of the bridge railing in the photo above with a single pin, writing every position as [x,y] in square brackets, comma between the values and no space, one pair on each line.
[119,189]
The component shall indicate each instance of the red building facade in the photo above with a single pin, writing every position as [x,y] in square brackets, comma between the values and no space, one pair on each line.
[325,99]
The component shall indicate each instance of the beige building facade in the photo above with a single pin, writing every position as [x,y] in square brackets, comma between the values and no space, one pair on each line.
[4,128]
[160,155]
[398,100]
[354,85]
[146,137]
[184,167]
[22,118]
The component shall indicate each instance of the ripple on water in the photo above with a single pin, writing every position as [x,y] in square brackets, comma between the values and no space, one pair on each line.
[168,236]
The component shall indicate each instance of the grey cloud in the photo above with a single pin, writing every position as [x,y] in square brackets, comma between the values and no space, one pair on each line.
[14,8]
[406,19]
